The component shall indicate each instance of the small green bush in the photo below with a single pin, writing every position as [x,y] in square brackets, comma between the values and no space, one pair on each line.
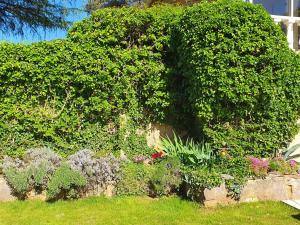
[135,179]
[283,167]
[239,77]
[32,173]
[238,168]
[65,184]
[18,180]
[196,180]
[166,178]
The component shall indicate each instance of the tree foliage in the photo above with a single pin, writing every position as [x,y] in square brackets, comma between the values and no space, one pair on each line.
[17,15]
[93,5]
[59,93]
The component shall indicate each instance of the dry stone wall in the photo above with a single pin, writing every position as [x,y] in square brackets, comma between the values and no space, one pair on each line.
[274,187]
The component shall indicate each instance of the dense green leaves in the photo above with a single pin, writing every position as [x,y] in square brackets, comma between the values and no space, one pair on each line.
[223,69]
[111,64]
[241,79]
[65,183]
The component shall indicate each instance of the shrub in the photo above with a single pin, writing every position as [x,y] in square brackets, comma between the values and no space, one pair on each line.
[129,27]
[65,184]
[238,169]
[166,178]
[100,171]
[283,167]
[259,167]
[196,180]
[32,173]
[134,179]
[112,64]
[19,181]
[240,79]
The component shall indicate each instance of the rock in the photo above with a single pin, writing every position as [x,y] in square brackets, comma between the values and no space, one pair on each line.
[109,191]
[217,196]
[5,192]
[37,196]
[227,177]
[265,189]
[273,187]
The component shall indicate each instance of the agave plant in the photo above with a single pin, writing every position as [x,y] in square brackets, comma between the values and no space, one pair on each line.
[288,152]
[189,152]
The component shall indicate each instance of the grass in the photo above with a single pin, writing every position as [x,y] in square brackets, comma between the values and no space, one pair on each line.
[142,211]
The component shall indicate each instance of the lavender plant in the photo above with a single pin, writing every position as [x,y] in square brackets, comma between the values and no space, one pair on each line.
[42,163]
[31,173]
[99,172]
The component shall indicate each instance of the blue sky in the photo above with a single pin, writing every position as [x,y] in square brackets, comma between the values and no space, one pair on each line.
[45,35]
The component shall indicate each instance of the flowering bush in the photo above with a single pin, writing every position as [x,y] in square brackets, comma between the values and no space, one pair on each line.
[282,166]
[102,171]
[259,167]
[31,173]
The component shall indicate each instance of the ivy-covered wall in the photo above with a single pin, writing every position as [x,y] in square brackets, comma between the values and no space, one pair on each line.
[221,70]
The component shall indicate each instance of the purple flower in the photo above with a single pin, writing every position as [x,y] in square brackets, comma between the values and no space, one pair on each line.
[293,163]
[259,167]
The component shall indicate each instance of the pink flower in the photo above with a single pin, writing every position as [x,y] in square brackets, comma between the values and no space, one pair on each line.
[139,159]
[293,163]
[259,167]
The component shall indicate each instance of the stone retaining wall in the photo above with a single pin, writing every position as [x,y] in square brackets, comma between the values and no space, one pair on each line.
[274,187]
[5,191]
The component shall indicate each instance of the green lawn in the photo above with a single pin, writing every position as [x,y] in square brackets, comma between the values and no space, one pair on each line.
[144,211]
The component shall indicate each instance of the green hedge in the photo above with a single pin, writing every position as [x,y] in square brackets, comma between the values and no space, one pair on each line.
[51,92]
[224,67]
[241,80]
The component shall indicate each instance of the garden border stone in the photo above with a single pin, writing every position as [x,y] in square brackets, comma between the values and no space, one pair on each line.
[274,187]
[5,192]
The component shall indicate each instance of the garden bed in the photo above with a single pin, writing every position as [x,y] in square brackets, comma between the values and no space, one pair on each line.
[274,187]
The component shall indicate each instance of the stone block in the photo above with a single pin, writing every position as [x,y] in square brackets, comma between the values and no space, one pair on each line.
[5,193]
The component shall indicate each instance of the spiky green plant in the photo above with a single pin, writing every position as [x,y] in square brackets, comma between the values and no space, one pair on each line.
[288,153]
[189,152]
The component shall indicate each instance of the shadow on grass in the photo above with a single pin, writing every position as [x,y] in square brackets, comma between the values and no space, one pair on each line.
[296,216]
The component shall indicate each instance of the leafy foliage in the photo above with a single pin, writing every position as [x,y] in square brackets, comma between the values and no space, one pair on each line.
[238,76]
[55,93]
[189,152]
[239,170]
[65,183]
[166,178]
[196,180]
[17,15]
[135,179]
